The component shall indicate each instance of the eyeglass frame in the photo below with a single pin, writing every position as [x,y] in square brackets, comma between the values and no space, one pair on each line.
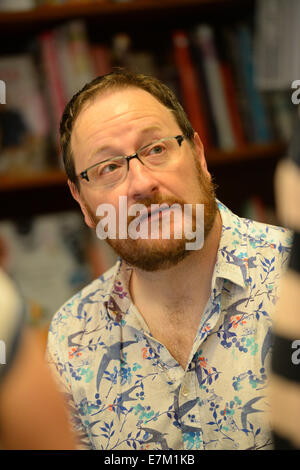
[84,174]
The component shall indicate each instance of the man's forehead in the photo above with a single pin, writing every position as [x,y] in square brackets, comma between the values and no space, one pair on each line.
[124,112]
[114,104]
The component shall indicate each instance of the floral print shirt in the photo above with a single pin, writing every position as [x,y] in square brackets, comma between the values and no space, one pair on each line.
[125,389]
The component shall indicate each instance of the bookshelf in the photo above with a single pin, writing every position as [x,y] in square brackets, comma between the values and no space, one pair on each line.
[240,173]
[47,192]
[108,9]
[46,178]
[243,154]
[132,17]
[214,157]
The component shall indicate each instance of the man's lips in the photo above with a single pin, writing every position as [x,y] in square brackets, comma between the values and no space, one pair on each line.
[151,213]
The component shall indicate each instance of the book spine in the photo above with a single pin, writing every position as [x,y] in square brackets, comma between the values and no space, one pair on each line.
[24,94]
[283,113]
[101,58]
[229,39]
[202,79]
[230,89]
[256,105]
[53,78]
[205,39]
[79,52]
[64,60]
[189,84]
[232,104]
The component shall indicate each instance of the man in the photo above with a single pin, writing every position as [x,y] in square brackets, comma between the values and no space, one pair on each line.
[170,348]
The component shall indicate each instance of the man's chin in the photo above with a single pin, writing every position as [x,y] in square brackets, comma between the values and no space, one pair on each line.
[150,255]
[159,254]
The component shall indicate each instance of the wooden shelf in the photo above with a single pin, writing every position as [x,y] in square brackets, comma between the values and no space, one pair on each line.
[249,152]
[214,157]
[35,180]
[105,8]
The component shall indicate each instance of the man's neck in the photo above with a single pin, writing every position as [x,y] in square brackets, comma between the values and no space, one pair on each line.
[175,298]
[165,287]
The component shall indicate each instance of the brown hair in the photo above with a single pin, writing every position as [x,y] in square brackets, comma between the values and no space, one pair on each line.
[115,80]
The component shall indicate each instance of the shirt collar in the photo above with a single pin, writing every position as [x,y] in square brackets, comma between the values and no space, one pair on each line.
[232,257]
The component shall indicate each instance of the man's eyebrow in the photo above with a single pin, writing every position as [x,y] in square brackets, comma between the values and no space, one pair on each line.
[143,133]
[150,129]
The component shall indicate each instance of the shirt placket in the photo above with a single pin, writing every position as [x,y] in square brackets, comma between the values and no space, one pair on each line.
[190,417]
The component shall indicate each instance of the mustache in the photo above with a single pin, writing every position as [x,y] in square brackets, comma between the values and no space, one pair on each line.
[157,199]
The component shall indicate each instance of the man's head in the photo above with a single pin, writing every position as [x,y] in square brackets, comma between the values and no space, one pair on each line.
[118,80]
[116,115]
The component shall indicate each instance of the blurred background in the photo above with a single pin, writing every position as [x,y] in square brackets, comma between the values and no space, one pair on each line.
[233,64]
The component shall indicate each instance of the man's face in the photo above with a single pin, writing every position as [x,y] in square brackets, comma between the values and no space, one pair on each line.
[119,123]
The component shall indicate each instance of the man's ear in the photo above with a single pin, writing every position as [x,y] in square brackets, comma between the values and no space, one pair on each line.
[200,153]
[76,195]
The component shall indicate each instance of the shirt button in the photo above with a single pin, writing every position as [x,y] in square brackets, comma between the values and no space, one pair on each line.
[184,391]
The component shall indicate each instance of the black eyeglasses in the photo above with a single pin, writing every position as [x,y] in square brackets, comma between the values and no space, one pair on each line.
[157,156]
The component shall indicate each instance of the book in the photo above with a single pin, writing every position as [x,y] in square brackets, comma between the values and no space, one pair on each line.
[121,49]
[284,113]
[125,55]
[53,81]
[228,36]
[198,61]
[67,65]
[23,92]
[231,101]
[206,43]
[257,109]
[24,124]
[190,88]
[276,39]
[75,62]
[230,91]
[101,58]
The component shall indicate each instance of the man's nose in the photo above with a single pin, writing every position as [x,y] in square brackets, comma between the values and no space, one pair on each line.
[140,180]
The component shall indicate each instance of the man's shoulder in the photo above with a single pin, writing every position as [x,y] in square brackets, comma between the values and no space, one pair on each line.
[91,297]
[268,246]
[260,236]
[263,235]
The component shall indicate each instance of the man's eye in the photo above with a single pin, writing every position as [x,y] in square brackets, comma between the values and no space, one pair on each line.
[156,149]
[106,169]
